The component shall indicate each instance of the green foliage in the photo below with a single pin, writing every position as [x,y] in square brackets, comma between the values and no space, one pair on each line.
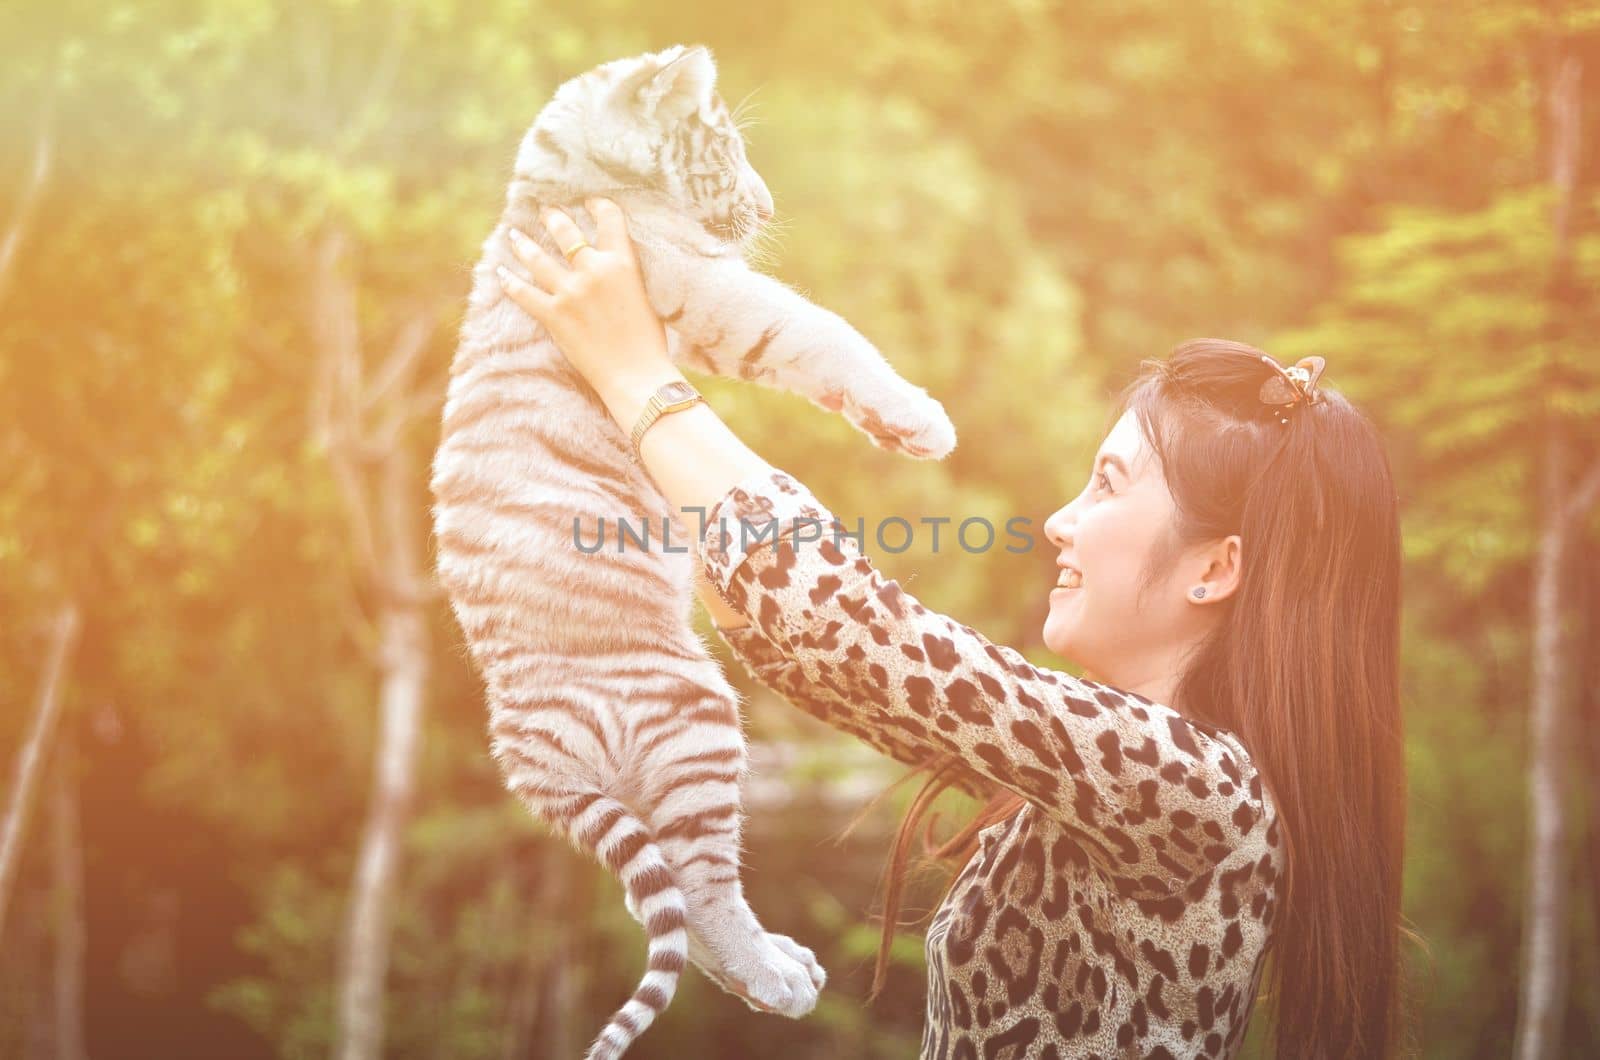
[1016,201]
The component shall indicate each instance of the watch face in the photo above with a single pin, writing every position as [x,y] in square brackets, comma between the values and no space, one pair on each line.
[677,391]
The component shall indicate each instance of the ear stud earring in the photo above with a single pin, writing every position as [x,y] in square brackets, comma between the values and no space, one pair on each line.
[1200,593]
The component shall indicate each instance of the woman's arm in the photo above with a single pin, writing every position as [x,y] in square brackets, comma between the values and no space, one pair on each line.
[600,317]
[1156,800]
[784,676]
[726,620]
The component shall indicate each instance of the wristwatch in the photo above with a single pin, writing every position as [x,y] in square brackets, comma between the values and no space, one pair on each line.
[669,397]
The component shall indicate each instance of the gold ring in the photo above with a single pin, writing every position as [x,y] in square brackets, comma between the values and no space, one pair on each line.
[579,245]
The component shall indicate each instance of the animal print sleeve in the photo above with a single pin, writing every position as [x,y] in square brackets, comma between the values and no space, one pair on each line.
[818,697]
[1157,800]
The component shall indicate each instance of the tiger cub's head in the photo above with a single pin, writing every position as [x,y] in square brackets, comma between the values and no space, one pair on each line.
[654,121]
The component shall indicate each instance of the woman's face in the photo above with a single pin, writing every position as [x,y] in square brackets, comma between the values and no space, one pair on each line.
[1107,619]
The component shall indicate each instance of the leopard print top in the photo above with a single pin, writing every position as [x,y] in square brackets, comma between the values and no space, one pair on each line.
[1126,909]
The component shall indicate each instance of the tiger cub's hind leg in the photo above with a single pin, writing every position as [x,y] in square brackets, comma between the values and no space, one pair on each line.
[693,799]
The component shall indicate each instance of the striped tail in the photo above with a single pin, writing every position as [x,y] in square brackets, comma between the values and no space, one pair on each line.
[623,843]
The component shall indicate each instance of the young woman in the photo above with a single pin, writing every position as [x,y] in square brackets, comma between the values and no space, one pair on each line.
[1233,778]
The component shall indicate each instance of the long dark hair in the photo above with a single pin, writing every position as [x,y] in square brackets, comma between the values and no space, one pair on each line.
[1304,668]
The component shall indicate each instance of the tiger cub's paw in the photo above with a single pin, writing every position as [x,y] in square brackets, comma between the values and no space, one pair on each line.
[775,975]
[783,983]
[803,956]
[902,419]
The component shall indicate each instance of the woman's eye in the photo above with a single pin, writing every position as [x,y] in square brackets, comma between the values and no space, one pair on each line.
[1102,481]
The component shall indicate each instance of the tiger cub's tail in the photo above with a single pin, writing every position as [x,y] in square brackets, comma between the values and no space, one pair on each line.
[624,844]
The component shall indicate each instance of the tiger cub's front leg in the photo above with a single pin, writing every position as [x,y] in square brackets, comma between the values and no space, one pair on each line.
[733,321]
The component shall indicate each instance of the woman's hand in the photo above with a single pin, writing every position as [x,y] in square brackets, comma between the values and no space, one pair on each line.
[595,308]
[598,313]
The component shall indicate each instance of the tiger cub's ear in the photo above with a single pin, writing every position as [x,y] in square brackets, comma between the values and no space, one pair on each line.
[672,84]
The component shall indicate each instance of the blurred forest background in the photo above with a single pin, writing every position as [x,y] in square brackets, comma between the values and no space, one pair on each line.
[235,237]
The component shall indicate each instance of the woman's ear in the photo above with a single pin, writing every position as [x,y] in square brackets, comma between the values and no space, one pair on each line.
[1222,564]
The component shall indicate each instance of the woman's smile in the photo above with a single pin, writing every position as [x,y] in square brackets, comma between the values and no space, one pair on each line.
[1069,581]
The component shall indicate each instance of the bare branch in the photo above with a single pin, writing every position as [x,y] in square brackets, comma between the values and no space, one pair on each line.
[364,118]
[421,591]
[31,757]
[336,397]
[356,504]
[1585,494]
[425,404]
[400,367]
[1566,116]
[402,414]
[21,221]
[270,359]
[361,630]
[306,39]
[333,328]
[398,476]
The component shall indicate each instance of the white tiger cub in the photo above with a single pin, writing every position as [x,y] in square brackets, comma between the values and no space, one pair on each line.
[608,714]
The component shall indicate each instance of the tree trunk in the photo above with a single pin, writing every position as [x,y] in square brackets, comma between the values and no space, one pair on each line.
[521,1013]
[35,750]
[38,1035]
[1544,950]
[1587,669]
[379,485]
[1545,956]
[66,884]
[366,953]
[567,969]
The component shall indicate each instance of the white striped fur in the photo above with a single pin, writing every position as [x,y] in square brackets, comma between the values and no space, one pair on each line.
[608,715]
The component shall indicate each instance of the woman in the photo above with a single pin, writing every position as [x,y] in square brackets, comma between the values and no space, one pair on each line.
[1232,780]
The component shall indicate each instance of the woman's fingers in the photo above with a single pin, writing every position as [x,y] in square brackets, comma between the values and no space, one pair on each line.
[525,294]
[612,226]
[563,230]
[546,271]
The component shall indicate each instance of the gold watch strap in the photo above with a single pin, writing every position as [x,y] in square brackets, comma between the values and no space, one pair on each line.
[669,397]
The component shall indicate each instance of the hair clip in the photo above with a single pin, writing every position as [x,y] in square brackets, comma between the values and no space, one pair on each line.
[1291,386]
